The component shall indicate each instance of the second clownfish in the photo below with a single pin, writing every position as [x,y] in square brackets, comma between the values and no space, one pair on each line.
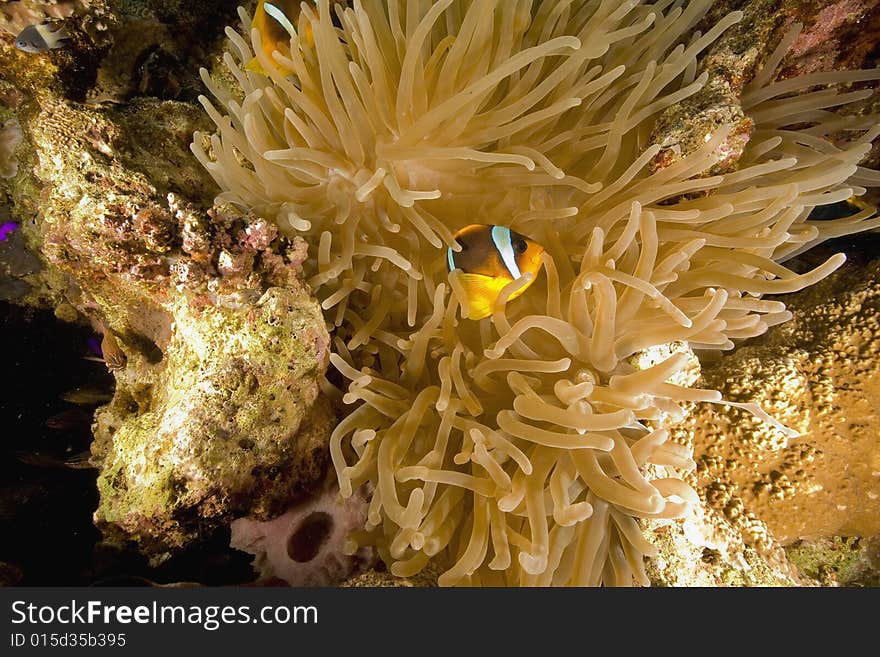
[275,23]
[490,258]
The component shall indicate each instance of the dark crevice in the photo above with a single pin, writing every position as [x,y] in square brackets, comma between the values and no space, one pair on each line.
[308,539]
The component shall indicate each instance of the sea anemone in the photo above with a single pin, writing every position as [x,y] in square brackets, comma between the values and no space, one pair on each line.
[521,449]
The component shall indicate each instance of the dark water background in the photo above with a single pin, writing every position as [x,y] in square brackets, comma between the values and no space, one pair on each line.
[46,532]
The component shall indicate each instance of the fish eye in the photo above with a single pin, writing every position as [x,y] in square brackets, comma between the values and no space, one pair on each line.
[519,245]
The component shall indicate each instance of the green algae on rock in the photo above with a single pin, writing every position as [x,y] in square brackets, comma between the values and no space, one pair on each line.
[705,549]
[217,412]
[214,431]
[838,560]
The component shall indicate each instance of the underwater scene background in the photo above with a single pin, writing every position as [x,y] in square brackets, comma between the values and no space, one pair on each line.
[456,293]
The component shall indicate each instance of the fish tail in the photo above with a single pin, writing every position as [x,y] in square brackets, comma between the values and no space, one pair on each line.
[255,67]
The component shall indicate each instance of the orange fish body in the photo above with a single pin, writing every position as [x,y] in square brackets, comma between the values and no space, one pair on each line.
[275,22]
[491,257]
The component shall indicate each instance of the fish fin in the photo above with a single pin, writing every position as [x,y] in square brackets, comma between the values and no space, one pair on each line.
[55,39]
[254,67]
[482,291]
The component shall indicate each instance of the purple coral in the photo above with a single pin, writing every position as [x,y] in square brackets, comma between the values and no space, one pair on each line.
[6,228]
[306,545]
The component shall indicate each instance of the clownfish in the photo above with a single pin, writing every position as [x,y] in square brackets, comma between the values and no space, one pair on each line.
[490,258]
[274,21]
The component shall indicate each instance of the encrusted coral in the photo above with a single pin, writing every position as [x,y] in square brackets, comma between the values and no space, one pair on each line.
[704,549]
[838,34]
[307,544]
[213,431]
[820,375]
[837,561]
[521,449]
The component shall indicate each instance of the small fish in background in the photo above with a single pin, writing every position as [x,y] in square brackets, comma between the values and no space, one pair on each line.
[87,396]
[137,580]
[108,351]
[40,37]
[114,357]
[80,461]
[840,210]
[6,228]
[72,418]
[274,21]
[490,258]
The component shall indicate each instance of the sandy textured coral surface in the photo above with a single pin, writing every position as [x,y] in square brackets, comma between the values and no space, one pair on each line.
[819,374]
[648,147]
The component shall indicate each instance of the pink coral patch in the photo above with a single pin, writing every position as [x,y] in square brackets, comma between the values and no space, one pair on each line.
[305,545]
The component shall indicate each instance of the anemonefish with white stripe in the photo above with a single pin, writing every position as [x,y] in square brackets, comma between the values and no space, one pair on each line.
[490,258]
[275,22]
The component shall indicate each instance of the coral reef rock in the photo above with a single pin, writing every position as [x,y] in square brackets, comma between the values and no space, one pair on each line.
[706,549]
[216,345]
[818,374]
[213,431]
[838,561]
[307,545]
[376,578]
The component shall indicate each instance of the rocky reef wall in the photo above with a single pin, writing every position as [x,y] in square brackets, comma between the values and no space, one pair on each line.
[216,346]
